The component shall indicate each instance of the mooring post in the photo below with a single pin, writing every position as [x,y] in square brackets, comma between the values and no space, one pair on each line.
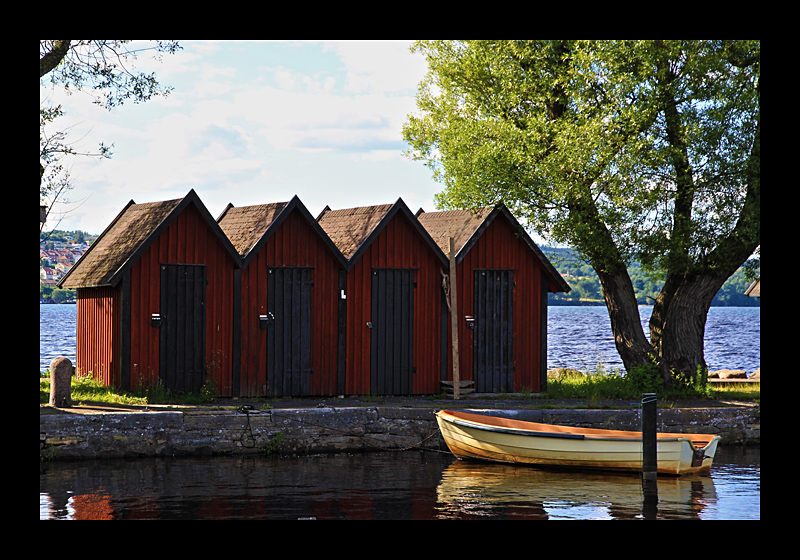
[649,453]
[61,383]
[649,449]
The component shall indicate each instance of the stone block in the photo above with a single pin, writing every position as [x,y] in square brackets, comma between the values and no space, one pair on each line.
[61,382]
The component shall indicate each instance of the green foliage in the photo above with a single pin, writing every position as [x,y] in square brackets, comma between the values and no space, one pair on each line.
[274,445]
[598,385]
[591,387]
[645,379]
[585,285]
[628,151]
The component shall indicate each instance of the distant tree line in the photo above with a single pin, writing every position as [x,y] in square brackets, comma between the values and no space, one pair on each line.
[586,289]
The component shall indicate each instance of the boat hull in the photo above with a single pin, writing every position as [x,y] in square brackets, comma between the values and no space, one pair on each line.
[475,436]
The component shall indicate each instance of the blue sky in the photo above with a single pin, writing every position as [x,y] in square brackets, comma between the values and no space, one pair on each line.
[249,123]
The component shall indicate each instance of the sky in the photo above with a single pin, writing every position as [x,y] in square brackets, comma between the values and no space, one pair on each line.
[250,123]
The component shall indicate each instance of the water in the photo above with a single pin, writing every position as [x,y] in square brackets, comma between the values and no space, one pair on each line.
[396,486]
[580,337]
[577,336]
[57,333]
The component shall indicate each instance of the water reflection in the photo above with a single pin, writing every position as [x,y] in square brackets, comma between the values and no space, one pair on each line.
[477,489]
[407,485]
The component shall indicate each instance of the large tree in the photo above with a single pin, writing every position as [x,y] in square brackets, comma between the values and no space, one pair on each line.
[105,68]
[624,150]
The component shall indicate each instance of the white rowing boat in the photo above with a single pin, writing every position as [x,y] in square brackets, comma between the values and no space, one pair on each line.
[476,436]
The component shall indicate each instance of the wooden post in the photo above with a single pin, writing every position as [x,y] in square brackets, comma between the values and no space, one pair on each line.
[649,455]
[454,320]
[649,449]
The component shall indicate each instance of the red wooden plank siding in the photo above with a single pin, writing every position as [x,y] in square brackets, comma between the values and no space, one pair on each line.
[294,244]
[187,240]
[399,245]
[97,334]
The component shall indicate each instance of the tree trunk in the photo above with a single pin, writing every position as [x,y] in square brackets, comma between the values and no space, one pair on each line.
[677,325]
[626,326]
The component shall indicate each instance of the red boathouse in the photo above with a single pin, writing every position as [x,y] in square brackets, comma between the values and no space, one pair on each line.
[156,299]
[503,280]
[292,280]
[394,300]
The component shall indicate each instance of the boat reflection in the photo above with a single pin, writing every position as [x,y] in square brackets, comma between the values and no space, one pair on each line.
[471,489]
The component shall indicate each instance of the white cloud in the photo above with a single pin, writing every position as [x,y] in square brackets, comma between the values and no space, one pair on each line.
[246,125]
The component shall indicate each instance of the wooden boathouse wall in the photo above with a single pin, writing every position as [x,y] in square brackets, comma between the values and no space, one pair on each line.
[502,285]
[386,246]
[119,289]
[98,334]
[290,339]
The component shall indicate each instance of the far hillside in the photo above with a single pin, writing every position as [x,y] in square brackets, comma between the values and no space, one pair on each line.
[586,288]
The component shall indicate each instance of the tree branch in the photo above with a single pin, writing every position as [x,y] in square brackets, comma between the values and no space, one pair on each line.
[53,57]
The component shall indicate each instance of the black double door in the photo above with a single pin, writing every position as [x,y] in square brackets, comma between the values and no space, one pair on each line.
[182,324]
[392,331]
[493,344]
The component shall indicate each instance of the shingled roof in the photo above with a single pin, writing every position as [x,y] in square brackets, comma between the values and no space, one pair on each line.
[353,229]
[458,224]
[466,227]
[246,225]
[349,228]
[249,227]
[125,239]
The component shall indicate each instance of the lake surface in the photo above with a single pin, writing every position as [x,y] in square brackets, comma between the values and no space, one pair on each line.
[577,336]
[580,337]
[388,485]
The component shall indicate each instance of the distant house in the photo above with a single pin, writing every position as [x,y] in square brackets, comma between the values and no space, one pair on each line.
[503,281]
[47,275]
[156,299]
[395,307]
[292,311]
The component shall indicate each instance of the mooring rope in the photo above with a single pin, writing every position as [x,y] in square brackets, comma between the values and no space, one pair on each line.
[246,409]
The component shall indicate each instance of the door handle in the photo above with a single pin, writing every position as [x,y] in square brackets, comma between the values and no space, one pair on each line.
[265,320]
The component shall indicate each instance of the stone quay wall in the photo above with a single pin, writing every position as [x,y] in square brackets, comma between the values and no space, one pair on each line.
[71,435]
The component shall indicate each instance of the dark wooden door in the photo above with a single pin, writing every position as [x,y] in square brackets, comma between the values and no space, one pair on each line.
[392,331]
[493,347]
[182,335]
[289,331]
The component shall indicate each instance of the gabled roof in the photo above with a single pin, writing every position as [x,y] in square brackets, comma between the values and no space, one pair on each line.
[354,229]
[466,227]
[249,227]
[128,236]
[754,290]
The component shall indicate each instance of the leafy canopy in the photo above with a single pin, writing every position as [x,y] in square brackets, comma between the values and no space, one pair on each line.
[576,137]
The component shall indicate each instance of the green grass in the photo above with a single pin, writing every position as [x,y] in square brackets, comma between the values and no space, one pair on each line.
[88,389]
[613,385]
[588,386]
